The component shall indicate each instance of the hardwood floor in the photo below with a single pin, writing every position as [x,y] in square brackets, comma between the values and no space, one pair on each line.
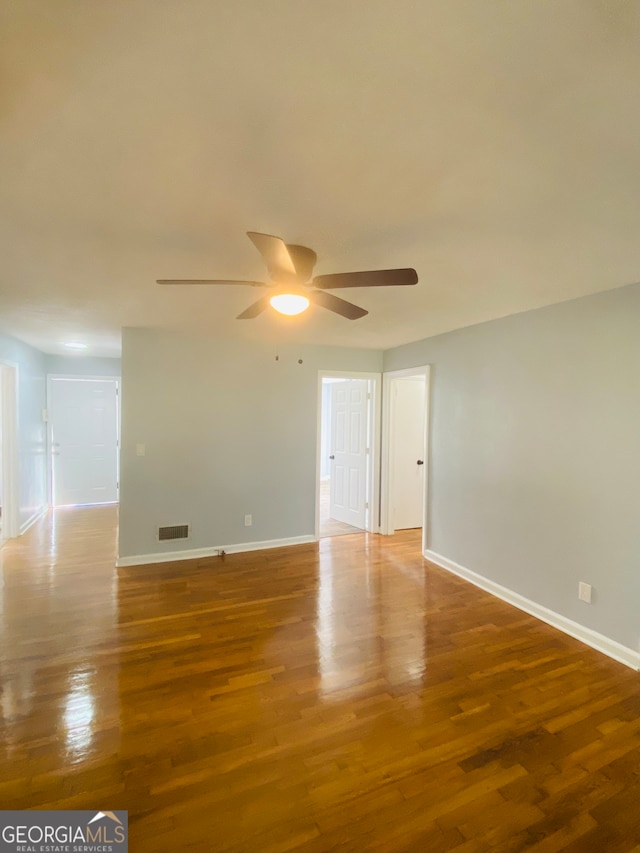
[342,696]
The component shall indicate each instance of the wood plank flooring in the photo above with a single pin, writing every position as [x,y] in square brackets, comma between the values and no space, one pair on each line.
[342,696]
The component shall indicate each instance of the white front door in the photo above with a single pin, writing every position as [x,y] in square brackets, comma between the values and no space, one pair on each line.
[84,440]
[408,452]
[348,444]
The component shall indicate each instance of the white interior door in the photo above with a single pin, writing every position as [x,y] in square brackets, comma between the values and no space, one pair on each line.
[408,452]
[84,440]
[348,489]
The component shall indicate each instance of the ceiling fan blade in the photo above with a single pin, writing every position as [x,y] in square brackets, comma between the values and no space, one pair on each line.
[304,260]
[209,281]
[337,305]
[254,309]
[275,253]
[373,278]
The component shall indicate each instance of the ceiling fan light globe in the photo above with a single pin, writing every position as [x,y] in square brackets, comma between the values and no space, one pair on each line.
[289,303]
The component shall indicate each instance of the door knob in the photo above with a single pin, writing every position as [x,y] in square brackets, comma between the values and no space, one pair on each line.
[332,456]
[420,462]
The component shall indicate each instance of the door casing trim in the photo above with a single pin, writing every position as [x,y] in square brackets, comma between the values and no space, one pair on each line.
[10,438]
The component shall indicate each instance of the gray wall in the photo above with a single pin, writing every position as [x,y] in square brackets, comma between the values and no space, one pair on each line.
[535,456]
[32,438]
[80,365]
[228,431]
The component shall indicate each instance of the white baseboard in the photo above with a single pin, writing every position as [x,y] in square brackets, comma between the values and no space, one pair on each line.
[597,641]
[32,520]
[201,553]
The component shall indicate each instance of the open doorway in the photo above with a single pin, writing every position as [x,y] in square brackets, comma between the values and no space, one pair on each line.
[405,451]
[347,437]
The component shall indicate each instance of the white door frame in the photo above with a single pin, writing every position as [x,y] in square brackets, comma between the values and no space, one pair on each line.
[88,378]
[10,490]
[373,468]
[388,435]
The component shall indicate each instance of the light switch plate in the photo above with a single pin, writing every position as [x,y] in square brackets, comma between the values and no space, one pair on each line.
[584,592]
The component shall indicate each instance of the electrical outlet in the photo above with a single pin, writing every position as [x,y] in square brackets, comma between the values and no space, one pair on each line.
[248,521]
[584,592]
[140,450]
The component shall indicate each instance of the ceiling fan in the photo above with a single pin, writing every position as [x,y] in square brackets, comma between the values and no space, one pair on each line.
[290,290]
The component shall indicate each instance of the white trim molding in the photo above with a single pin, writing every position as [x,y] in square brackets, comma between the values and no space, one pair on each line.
[40,513]
[597,641]
[9,458]
[201,553]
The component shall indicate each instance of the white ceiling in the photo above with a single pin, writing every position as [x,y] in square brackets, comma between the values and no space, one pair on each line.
[492,145]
